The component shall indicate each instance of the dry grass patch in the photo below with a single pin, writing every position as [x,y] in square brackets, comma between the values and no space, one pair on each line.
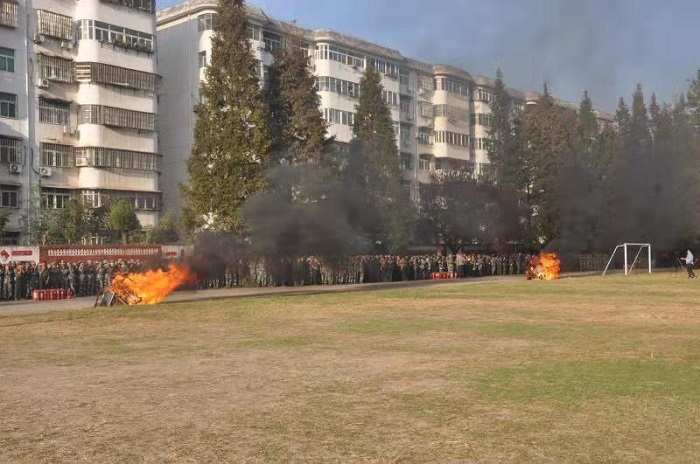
[585,369]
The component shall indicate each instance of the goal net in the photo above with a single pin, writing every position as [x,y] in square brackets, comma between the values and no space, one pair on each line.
[627,250]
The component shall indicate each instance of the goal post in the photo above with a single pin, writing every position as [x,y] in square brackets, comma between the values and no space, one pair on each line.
[639,247]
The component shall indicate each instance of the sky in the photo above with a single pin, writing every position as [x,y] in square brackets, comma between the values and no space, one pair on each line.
[603,46]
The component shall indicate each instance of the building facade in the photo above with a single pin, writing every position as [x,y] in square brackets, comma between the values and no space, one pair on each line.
[81,107]
[441,114]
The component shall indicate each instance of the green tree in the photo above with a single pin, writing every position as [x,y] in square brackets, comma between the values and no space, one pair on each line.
[693,100]
[501,151]
[374,164]
[165,231]
[122,219]
[548,140]
[231,138]
[296,123]
[587,127]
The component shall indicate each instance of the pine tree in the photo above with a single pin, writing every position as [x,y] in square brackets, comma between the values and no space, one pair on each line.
[654,114]
[295,120]
[693,100]
[501,151]
[375,159]
[640,138]
[231,139]
[587,127]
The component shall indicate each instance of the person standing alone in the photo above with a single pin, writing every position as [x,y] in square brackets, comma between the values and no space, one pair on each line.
[689,261]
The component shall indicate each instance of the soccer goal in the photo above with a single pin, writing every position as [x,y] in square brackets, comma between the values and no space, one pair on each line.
[631,247]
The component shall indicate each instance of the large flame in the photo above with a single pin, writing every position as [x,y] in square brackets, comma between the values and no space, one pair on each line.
[150,287]
[549,262]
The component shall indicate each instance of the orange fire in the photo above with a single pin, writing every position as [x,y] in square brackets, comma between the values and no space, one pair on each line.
[151,287]
[549,263]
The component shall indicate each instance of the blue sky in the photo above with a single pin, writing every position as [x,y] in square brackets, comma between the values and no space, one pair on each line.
[603,46]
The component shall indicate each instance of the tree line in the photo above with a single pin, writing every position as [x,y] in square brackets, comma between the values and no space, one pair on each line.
[263,169]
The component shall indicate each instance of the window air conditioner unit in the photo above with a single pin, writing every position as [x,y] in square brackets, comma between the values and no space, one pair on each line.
[68,130]
[81,161]
[15,168]
[45,172]
[42,83]
[67,44]
[38,38]
[421,91]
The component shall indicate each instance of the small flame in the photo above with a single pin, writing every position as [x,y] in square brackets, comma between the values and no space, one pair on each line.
[151,287]
[549,263]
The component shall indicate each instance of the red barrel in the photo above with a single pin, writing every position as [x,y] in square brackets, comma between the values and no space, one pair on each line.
[60,293]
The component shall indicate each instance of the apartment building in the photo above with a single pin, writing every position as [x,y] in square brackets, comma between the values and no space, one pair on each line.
[79,105]
[441,113]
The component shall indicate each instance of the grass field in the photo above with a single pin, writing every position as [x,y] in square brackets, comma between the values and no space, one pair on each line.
[580,369]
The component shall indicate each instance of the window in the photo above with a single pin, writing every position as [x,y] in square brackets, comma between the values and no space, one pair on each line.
[202,59]
[55,68]
[480,143]
[9,13]
[424,162]
[333,116]
[8,105]
[54,112]
[483,119]
[452,86]
[404,78]
[426,83]
[205,22]
[147,6]
[452,138]
[405,134]
[117,117]
[56,155]
[10,150]
[484,95]
[148,201]
[109,33]
[386,68]
[53,198]
[406,161]
[54,25]
[115,158]
[115,75]
[425,136]
[10,238]
[9,196]
[454,114]
[426,110]
[7,59]
[254,32]
[390,98]
[331,84]
[330,52]
[272,41]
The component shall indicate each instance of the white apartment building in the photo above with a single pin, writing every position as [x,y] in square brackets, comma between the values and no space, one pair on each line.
[78,106]
[441,114]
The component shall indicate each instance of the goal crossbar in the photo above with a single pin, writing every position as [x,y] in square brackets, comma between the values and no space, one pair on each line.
[628,268]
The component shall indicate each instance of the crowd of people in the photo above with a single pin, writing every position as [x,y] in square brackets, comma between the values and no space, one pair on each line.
[19,280]
[311,270]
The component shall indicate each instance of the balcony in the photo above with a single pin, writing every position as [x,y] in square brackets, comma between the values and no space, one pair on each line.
[9,13]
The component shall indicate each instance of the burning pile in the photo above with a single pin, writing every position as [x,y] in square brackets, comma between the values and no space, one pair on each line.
[544,267]
[144,288]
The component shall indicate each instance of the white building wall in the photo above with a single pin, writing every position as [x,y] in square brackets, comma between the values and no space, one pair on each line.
[17,83]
